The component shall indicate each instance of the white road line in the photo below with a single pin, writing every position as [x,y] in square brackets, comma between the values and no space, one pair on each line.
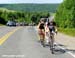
[67,51]
[71,54]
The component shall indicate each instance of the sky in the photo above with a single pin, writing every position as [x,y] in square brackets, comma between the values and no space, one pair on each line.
[30,1]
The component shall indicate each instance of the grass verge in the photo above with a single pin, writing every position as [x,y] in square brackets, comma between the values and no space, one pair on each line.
[2,25]
[67,31]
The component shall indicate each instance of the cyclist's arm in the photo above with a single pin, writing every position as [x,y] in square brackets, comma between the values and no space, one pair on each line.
[55,26]
[56,30]
[38,25]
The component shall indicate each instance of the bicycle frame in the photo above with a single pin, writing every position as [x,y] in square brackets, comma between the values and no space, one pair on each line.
[51,42]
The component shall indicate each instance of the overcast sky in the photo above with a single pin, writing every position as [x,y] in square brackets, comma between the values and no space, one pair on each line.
[30,1]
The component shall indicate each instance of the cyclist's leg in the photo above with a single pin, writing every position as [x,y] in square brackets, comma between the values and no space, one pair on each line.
[43,38]
[39,33]
[52,44]
[51,39]
[43,34]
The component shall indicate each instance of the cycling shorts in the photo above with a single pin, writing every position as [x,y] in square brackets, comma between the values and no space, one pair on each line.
[41,31]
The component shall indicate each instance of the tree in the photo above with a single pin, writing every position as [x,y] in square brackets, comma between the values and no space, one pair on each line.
[65,14]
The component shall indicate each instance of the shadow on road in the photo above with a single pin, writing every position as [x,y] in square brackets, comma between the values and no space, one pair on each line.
[71,50]
[57,50]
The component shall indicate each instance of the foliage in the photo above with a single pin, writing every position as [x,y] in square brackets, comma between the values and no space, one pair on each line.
[25,12]
[65,15]
[68,31]
[20,16]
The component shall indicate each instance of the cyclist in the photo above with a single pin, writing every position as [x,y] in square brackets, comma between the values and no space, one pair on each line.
[52,30]
[41,30]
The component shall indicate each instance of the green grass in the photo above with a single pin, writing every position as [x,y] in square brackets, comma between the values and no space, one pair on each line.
[67,31]
[2,25]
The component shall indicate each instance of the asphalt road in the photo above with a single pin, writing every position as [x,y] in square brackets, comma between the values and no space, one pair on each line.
[23,43]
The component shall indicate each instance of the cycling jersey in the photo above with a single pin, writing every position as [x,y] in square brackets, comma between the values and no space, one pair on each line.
[51,26]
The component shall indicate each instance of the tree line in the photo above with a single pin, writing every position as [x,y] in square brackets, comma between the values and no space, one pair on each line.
[31,7]
[20,16]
